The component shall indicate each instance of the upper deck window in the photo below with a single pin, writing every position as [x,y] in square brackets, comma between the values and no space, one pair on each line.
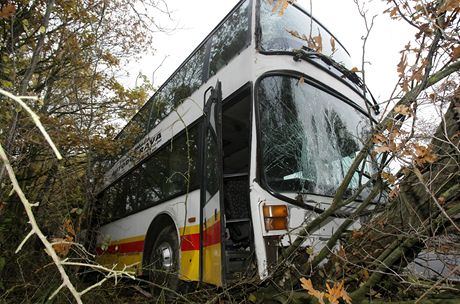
[276,32]
[230,39]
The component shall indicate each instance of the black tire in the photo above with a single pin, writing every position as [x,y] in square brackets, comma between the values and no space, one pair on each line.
[164,261]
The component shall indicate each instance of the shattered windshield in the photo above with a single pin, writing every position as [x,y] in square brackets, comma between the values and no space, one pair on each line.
[309,137]
[282,32]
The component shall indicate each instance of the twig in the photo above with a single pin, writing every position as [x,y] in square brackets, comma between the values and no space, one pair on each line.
[24,241]
[35,118]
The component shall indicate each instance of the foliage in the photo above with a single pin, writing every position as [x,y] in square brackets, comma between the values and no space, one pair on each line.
[68,54]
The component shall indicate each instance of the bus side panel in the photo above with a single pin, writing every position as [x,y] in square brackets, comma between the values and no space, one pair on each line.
[121,243]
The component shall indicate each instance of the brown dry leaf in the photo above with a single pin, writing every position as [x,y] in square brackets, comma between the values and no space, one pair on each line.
[450,5]
[337,292]
[417,75]
[424,154]
[455,53]
[405,85]
[382,149]
[318,42]
[7,11]
[68,226]
[388,177]
[356,234]
[332,42]
[294,33]
[378,138]
[393,12]
[61,246]
[395,133]
[426,29]
[301,81]
[308,286]
[393,146]
[281,6]
[457,134]
[403,109]
[430,158]
[402,65]
[354,70]
[332,295]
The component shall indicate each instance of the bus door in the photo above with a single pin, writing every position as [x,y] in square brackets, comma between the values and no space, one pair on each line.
[211,193]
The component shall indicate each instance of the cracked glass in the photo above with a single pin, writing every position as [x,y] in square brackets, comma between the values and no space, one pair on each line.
[309,137]
[276,32]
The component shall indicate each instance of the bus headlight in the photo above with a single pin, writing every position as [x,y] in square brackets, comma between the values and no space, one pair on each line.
[275,217]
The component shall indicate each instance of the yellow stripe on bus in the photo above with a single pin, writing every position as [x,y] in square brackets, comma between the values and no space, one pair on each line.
[212,259]
[190,262]
[189,230]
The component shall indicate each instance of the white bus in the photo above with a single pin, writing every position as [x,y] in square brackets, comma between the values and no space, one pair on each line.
[247,140]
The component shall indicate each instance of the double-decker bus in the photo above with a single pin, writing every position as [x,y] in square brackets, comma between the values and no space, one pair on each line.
[246,141]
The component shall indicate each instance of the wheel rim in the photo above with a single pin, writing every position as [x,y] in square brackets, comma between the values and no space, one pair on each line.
[165,253]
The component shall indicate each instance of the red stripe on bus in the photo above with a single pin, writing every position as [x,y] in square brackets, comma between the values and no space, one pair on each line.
[190,242]
[131,247]
[211,236]
[137,246]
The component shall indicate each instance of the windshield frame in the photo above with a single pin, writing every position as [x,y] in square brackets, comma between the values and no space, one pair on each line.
[260,175]
[317,62]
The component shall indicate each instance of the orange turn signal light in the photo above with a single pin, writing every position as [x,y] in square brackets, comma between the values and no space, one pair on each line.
[275,211]
[277,223]
[275,217]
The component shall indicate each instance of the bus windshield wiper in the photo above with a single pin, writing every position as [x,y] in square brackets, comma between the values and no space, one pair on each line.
[307,53]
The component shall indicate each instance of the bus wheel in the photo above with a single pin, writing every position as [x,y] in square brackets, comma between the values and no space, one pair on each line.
[164,261]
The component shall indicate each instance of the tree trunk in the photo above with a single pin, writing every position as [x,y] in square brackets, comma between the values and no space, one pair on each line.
[428,205]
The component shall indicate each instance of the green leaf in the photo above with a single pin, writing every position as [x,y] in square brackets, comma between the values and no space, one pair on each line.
[42,29]
[252,298]
[7,84]
[25,24]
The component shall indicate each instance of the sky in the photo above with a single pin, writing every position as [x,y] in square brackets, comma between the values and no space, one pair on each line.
[193,20]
